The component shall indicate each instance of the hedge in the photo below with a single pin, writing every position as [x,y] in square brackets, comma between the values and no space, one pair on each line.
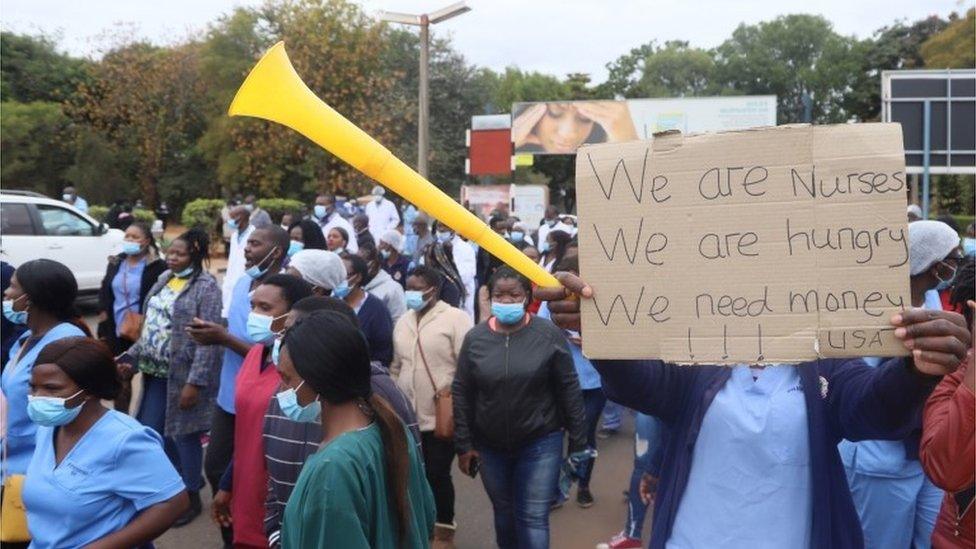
[205,214]
[140,214]
[277,207]
[98,212]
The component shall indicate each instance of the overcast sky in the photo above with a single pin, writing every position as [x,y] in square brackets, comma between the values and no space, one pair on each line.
[552,36]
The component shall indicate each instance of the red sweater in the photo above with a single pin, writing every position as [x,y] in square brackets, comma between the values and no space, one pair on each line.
[948,455]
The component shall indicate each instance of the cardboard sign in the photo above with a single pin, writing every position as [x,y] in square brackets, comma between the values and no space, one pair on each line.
[780,244]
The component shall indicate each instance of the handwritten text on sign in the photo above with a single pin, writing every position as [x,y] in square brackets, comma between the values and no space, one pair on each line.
[769,245]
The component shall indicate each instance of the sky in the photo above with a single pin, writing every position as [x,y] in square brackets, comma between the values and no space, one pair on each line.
[551,36]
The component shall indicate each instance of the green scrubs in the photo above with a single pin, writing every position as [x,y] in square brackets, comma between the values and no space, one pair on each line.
[341,498]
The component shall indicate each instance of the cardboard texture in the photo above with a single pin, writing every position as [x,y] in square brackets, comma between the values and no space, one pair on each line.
[771,245]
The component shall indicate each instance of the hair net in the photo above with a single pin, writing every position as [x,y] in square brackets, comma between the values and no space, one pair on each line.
[319,268]
[915,211]
[393,238]
[929,242]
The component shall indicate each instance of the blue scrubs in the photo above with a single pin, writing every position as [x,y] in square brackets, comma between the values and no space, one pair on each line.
[16,376]
[126,288]
[117,469]
[896,502]
[240,306]
[750,479]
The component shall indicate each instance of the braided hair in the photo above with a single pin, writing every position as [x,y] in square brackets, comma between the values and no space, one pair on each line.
[198,243]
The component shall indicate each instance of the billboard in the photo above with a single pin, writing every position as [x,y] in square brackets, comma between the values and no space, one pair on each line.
[561,127]
[949,96]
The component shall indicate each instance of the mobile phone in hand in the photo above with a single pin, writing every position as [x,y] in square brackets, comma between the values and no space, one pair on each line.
[474,467]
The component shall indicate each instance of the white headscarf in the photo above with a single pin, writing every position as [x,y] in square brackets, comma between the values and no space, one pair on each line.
[929,242]
[320,268]
[394,239]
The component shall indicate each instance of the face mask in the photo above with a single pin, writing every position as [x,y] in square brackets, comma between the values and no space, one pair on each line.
[17,317]
[969,246]
[517,236]
[384,253]
[944,284]
[259,327]
[288,400]
[276,350]
[319,211]
[66,197]
[444,236]
[551,223]
[339,250]
[232,223]
[131,248]
[377,199]
[415,299]
[185,273]
[249,207]
[342,290]
[544,247]
[255,271]
[294,247]
[51,411]
[508,313]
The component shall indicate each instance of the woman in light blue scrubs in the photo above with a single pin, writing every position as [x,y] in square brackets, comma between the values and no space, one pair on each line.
[98,478]
[41,296]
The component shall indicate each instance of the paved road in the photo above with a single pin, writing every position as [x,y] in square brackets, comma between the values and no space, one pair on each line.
[572,527]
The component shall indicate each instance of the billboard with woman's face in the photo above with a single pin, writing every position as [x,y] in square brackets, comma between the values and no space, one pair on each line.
[561,127]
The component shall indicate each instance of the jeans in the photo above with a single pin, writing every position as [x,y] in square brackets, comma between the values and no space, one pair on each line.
[187,457]
[184,451]
[647,450]
[438,456]
[612,414]
[521,484]
[593,403]
[152,407]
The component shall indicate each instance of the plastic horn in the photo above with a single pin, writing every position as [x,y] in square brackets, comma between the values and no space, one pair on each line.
[274,91]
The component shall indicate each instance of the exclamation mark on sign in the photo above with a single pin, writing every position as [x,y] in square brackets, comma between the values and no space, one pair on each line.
[691,355]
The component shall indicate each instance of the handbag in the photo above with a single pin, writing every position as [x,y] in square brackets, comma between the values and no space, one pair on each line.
[13,514]
[131,327]
[443,403]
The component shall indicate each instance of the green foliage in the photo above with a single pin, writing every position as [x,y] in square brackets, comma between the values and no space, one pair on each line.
[143,215]
[953,47]
[276,207]
[674,70]
[35,142]
[964,221]
[204,213]
[98,212]
[33,69]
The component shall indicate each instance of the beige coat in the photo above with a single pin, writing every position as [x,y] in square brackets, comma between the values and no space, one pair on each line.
[442,330]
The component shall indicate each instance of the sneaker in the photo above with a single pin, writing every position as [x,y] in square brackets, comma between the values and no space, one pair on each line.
[560,500]
[620,541]
[584,498]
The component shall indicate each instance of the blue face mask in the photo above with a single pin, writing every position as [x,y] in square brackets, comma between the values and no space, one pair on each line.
[276,350]
[415,300]
[185,273]
[259,327]
[131,248]
[444,236]
[51,411]
[320,211]
[342,290]
[384,253]
[294,247]
[969,246]
[288,400]
[517,236]
[508,313]
[544,247]
[255,271]
[17,317]
[232,223]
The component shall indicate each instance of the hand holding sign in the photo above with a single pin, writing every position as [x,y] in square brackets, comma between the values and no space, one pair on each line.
[564,303]
[938,340]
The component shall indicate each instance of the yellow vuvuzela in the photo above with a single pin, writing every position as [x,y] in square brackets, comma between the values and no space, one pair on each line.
[274,91]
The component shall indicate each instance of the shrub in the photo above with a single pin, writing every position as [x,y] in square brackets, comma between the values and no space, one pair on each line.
[142,215]
[277,207]
[98,212]
[204,213]
[963,221]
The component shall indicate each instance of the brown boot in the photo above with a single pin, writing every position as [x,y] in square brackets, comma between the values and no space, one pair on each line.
[443,536]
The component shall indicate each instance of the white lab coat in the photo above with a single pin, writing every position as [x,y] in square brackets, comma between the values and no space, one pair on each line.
[466,262]
[383,216]
[235,265]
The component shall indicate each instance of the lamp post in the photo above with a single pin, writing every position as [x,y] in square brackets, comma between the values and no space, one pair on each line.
[424,21]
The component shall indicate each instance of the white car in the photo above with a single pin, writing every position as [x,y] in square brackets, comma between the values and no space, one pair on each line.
[33,226]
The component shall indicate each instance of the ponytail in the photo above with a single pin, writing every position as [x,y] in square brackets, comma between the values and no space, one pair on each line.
[396,455]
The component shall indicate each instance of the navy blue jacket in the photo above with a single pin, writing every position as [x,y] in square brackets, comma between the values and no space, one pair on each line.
[861,403]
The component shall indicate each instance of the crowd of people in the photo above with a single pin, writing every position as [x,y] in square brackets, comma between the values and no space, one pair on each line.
[323,389]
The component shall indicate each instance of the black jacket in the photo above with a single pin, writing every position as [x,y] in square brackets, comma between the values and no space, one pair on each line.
[106,298]
[511,389]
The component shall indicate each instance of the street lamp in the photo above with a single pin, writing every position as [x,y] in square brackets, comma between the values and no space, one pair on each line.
[424,21]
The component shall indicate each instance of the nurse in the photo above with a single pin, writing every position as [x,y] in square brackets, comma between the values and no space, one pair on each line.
[41,296]
[98,478]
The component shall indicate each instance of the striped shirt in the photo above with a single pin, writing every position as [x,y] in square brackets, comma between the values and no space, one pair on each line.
[288,444]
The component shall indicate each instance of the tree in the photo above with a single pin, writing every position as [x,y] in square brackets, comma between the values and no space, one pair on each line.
[674,70]
[791,56]
[35,142]
[148,103]
[952,48]
[31,69]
